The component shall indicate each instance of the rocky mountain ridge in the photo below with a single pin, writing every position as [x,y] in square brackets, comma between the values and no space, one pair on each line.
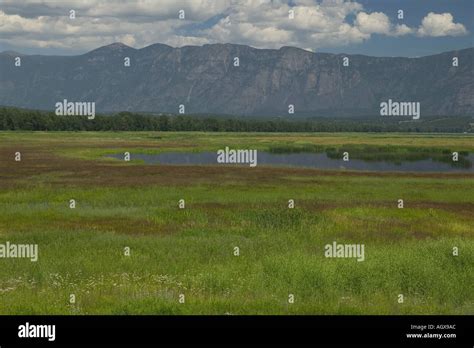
[209,79]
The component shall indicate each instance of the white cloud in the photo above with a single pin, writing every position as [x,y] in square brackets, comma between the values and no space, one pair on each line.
[267,24]
[435,24]
[153,9]
[402,29]
[373,23]
[379,23]
[259,23]
[345,35]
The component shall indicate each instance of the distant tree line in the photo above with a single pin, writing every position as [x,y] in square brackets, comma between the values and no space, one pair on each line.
[33,120]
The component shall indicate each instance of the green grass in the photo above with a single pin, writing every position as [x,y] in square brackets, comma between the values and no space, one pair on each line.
[191,251]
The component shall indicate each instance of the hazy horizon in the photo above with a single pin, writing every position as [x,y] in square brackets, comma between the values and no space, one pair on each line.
[228,43]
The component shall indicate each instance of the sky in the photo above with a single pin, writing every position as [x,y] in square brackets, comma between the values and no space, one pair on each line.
[370,27]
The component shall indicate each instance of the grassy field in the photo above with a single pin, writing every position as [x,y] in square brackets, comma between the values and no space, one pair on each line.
[190,251]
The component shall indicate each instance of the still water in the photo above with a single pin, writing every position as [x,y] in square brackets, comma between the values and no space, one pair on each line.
[307,160]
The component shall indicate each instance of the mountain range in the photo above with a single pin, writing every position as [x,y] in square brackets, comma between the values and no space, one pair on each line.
[207,79]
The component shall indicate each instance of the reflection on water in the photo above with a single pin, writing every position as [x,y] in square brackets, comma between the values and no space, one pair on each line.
[310,160]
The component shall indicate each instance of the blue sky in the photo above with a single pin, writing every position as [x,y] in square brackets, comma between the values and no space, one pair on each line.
[414,11]
[369,27]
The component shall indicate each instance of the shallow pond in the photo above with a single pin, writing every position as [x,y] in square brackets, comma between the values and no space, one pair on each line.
[309,160]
